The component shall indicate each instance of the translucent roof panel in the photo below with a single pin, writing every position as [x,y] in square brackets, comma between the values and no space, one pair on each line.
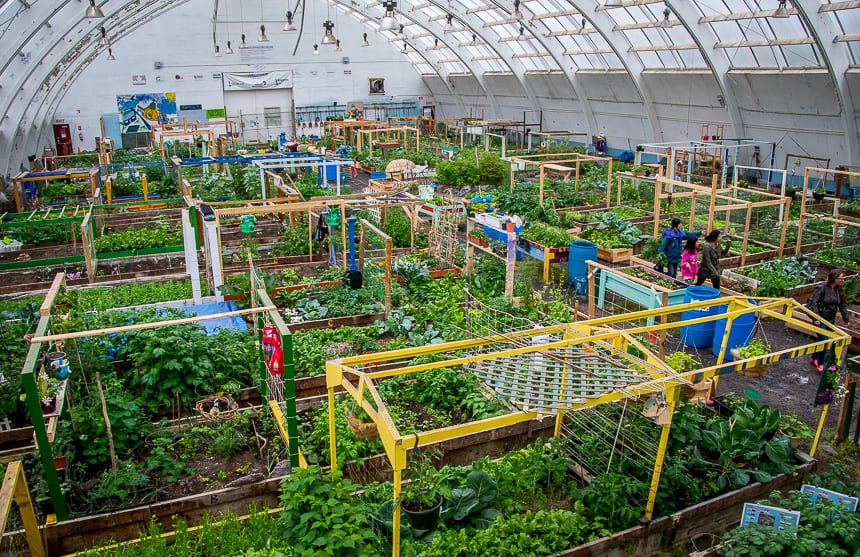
[750,36]
[848,21]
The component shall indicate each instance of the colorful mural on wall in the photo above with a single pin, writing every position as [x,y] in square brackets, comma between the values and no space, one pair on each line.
[138,112]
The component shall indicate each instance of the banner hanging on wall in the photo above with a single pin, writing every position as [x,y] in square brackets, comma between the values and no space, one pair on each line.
[279,79]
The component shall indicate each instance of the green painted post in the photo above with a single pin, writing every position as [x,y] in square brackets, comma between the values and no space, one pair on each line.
[34,407]
[290,395]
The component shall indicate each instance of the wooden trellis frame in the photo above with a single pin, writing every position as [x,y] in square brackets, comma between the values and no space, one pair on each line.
[559,162]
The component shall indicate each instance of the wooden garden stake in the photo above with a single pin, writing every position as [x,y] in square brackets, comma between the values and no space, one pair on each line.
[107,424]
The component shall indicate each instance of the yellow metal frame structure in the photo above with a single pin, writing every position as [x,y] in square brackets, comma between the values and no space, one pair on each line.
[15,488]
[557,162]
[596,339]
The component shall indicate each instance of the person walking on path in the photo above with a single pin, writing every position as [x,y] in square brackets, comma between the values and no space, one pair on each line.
[826,300]
[690,259]
[710,268]
[672,245]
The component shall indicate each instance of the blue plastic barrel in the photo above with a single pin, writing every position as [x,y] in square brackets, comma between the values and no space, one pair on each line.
[739,335]
[577,270]
[699,335]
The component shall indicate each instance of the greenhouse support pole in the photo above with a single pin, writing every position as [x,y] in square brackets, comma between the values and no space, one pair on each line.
[189,240]
[332,430]
[671,398]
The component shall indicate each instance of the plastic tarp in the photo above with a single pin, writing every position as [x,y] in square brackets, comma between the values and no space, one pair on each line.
[235,322]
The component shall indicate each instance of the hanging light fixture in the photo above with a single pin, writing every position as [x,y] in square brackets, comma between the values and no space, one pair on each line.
[110,54]
[328,37]
[227,17]
[364,40]
[289,26]
[666,13]
[94,11]
[522,30]
[449,25]
[103,40]
[782,10]
[338,49]
[243,44]
[316,50]
[263,37]
[388,22]
[436,43]
[217,51]
[517,13]
[405,48]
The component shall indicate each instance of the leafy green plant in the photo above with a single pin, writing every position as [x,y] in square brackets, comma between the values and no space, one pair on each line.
[162,234]
[533,533]
[472,504]
[321,516]
[682,362]
[755,348]
[792,426]
[823,530]
[547,235]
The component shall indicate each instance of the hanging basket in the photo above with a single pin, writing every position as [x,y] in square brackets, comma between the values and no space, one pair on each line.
[366,431]
[755,371]
[216,407]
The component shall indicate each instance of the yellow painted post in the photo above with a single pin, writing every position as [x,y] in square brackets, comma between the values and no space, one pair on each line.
[332,431]
[395,517]
[145,185]
[671,397]
[108,191]
[15,484]
[819,429]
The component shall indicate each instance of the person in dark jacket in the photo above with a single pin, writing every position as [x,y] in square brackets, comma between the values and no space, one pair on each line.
[710,268]
[672,245]
[826,300]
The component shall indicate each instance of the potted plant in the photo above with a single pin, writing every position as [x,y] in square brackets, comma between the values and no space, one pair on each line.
[49,388]
[790,191]
[796,430]
[420,499]
[478,237]
[818,193]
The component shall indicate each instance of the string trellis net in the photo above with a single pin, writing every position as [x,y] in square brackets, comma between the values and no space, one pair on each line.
[561,376]
[483,320]
[611,438]
[443,240]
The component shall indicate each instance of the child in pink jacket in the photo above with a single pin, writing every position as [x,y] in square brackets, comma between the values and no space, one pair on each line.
[690,260]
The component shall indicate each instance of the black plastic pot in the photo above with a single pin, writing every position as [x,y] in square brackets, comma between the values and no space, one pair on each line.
[818,196]
[424,519]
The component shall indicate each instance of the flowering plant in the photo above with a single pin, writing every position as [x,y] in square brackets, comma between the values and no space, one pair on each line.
[831,388]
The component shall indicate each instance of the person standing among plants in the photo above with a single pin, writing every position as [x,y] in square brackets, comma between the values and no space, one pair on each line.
[690,259]
[826,300]
[671,245]
[711,254]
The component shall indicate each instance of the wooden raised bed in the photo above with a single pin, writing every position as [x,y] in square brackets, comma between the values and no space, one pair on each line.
[78,534]
[614,255]
[537,251]
[666,533]
[798,292]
